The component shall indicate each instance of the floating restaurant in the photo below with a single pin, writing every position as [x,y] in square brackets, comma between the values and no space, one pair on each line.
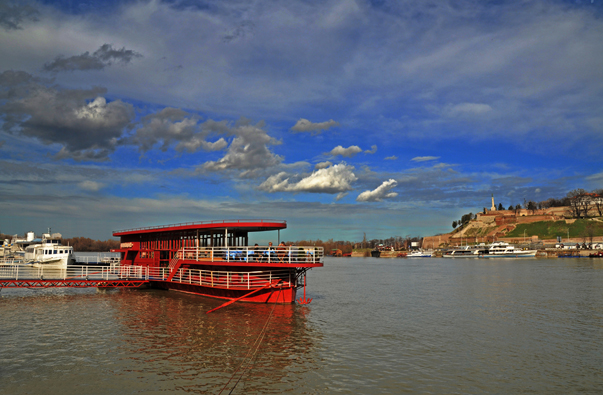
[213,259]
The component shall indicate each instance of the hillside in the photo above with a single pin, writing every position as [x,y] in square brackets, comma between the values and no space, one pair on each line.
[517,226]
[553,229]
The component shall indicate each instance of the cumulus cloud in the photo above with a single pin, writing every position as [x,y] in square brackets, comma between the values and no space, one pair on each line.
[372,150]
[173,125]
[323,165]
[248,151]
[334,179]
[380,193]
[82,121]
[12,15]
[424,158]
[303,125]
[346,152]
[105,56]
[341,195]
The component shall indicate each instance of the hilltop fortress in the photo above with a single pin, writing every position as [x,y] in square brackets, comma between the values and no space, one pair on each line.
[493,224]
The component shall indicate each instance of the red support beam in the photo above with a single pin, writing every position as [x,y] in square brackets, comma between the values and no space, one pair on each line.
[71,283]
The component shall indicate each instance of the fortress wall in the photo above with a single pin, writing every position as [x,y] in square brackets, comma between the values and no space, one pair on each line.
[431,242]
[534,218]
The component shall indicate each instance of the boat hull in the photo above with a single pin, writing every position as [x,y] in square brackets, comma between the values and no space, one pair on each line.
[283,295]
[530,254]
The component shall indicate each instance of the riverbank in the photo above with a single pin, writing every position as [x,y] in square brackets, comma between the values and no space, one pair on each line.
[545,253]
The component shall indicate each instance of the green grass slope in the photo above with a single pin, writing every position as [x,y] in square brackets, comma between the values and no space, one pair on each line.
[552,229]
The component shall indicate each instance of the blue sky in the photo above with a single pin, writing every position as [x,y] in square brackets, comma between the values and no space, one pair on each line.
[341,117]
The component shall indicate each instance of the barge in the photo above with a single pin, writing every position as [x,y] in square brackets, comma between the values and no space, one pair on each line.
[214,259]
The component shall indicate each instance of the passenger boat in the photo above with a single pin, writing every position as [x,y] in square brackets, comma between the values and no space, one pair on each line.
[463,252]
[45,252]
[501,249]
[214,259]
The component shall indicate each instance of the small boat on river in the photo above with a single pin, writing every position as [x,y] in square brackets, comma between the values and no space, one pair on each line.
[420,254]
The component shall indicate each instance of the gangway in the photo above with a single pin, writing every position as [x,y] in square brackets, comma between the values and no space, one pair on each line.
[27,276]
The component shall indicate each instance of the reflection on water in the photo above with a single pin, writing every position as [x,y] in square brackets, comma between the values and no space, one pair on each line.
[173,338]
[125,341]
[374,326]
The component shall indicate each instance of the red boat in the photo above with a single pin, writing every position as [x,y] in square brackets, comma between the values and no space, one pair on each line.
[213,259]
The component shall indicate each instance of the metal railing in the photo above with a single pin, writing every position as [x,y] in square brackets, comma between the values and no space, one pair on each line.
[19,272]
[258,254]
[222,278]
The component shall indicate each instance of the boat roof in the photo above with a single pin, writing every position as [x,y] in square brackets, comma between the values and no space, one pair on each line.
[246,225]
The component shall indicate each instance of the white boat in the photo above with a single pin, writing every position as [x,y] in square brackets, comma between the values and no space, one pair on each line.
[463,252]
[420,254]
[501,249]
[49,252]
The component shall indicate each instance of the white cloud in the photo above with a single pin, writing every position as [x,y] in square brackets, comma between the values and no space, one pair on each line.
[380,193]
[92,186]
[323,165]
[197,142]
[341,195]
[346,152]
[303,125]
[334,179]
[248,151]
[372,150]
[467,109]
[393,157]
[424,158]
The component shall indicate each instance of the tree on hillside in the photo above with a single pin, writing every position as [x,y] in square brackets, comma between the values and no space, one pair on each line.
[454,224]
[579,202]
[598,201]
[466,218]
[500,207]
[511,208]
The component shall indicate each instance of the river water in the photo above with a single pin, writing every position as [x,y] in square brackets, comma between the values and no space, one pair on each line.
[375,326]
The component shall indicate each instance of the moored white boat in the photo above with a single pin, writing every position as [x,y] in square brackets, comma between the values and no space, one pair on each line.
[49,253]
[420,254]
[501,249]
[463,252]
